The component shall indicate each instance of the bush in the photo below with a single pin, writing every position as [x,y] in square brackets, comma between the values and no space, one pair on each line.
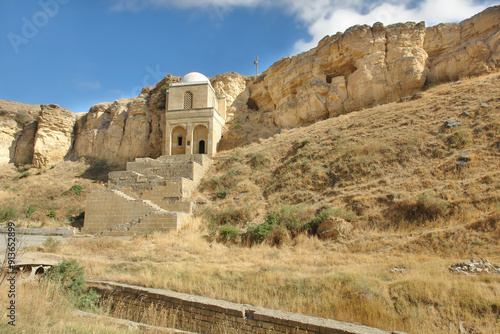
[7,213]
[24,168]
[291,221]
[232,216]
[226,181]
[229,232]
[279,226]
[305,142]
[420,208]
[71,277]
[50,244]
[30,210]
[257,234]
[75,189]
[222,193]
[24,117]
[23,175]
[51,213]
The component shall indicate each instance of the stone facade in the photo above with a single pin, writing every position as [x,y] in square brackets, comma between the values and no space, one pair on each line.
[152,194]
[194,117]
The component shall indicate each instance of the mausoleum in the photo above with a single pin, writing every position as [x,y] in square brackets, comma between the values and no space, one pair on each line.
[194,117]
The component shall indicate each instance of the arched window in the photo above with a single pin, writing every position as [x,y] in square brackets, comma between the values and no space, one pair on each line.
[188,100]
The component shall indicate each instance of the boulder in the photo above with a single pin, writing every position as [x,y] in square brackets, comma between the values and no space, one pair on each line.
[334,228]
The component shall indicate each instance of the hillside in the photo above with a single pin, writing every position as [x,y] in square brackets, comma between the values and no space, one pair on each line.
[377,163]
[388,178]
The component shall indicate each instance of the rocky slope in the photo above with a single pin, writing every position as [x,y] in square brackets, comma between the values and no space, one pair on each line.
[362,67]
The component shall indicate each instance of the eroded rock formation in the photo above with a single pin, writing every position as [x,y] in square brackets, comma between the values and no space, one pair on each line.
[366,66]
[17,131]
[54,135]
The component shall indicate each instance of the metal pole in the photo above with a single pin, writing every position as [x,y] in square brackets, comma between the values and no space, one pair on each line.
[256,62]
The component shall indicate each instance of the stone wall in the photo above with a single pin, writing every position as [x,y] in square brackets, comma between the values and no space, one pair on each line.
[207,315]
[113,213]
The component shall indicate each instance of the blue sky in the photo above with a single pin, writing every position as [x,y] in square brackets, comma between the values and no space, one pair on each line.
[77,53]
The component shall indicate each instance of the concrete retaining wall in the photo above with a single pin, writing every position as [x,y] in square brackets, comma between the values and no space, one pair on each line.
[205,315]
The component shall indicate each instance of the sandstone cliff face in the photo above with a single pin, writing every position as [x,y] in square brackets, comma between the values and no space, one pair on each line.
[126,129]
[17,123]
[54,135]
[366,66]
[234,87]
[470,47]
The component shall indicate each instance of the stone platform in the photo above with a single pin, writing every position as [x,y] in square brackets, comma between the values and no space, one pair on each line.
[152,194]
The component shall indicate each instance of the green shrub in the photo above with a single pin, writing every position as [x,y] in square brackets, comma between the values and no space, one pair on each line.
[229,232]
[24,117]
[279,225]
[306,141]
[23,175]
[71,277]
[51,213]
[7,213]
[75,189]
[222,193]
[231,216]
[257,234]
[24,168]
[164,89]
[160,105]
[30,210]
[291,221]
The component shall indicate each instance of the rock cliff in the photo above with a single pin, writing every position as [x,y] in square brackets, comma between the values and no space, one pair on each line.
[366,66]
[17,131]
[362,67]
[54,135]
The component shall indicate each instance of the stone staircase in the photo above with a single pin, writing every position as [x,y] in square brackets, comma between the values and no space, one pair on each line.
[152,194]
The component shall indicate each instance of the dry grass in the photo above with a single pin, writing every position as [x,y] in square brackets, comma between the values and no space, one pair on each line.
[44,309]
[348,280]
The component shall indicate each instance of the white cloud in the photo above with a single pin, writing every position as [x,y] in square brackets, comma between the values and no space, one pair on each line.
[326,17]
[89,85]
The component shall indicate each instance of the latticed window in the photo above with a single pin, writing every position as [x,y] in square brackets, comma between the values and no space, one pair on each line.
[188,100]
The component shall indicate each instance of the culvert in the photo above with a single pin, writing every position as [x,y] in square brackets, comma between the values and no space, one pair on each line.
[39,271]
[26,272]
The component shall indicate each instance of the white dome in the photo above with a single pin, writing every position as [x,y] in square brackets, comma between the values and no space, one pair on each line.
[194,77]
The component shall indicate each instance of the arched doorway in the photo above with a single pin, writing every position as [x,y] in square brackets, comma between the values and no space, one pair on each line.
[178,140]
[201,147]
[200,139]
